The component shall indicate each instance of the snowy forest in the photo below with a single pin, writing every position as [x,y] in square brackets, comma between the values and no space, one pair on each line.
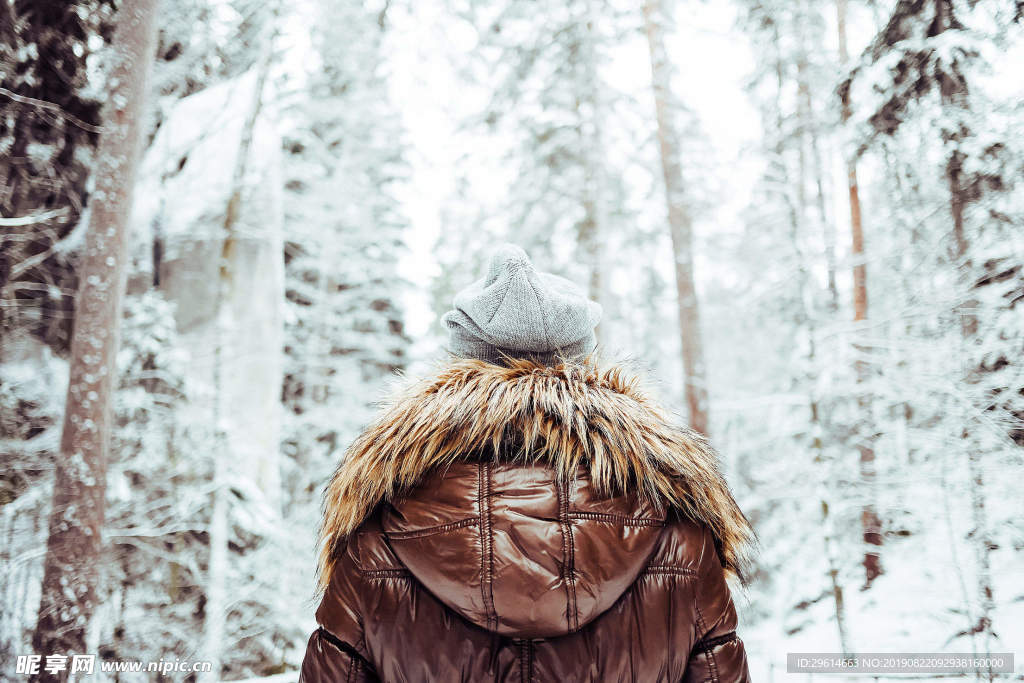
[227,225]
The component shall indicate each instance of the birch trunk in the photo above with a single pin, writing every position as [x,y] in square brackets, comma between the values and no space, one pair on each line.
[680,224]
[810,130]
[220,527]
[71,574]
[591,228]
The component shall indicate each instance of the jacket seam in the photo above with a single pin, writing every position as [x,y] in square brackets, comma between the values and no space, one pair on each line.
[433,530]
[525,658]
[356,556]
[490,548]
[353,669]
[572,568]
[339,644]
[616,519]
[712,662]
[568,556]
[655,570]
[486,544]
[384,574]
[712,643]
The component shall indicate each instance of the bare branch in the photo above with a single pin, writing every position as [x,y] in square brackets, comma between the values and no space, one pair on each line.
[33,219]
[50,106]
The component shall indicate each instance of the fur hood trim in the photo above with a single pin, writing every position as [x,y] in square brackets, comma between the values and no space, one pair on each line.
[567,415]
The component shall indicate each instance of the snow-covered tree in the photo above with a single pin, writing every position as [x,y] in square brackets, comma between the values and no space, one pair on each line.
[344,224]
[75,543]
[548,110]
[924,68]
[49,127]
[679,220]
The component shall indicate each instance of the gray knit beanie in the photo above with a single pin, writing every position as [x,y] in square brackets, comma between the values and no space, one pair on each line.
[517,311]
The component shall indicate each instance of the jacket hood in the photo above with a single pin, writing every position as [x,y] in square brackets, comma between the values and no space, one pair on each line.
[526,450]
[514,550]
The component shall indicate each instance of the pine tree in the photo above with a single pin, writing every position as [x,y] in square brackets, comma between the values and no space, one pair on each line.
[798,305]
[870,522]
[921,62]
[680,224]
[344,163]
[542,67]
[933,53]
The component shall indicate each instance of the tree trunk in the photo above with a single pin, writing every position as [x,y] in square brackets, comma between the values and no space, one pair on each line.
[829,543]
[591,228]
[215,607]
[804,318]
[955,97]
[871,524]
[968,329]
[48,138]
[680,225]
[220,528]
[809,129]
[71,574]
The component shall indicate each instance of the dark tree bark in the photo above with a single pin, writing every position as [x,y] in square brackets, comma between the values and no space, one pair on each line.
[679,221]
[954,97]
[47,129]
[915,76]
[72,575]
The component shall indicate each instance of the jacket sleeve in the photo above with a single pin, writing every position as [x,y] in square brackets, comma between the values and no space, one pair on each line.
[327,660]
[337,650]
[719,655]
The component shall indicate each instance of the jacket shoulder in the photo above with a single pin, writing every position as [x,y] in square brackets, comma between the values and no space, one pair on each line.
[369,549]
[367,558]
[685,544]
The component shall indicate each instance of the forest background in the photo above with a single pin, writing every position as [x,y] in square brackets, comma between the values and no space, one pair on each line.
[803,218]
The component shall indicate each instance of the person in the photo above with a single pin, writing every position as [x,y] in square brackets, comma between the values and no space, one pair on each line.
[527,513]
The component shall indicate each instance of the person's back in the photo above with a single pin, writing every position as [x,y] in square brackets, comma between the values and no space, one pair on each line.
[536,518]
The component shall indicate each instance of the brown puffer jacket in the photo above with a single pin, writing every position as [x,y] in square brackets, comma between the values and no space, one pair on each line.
[528,523]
